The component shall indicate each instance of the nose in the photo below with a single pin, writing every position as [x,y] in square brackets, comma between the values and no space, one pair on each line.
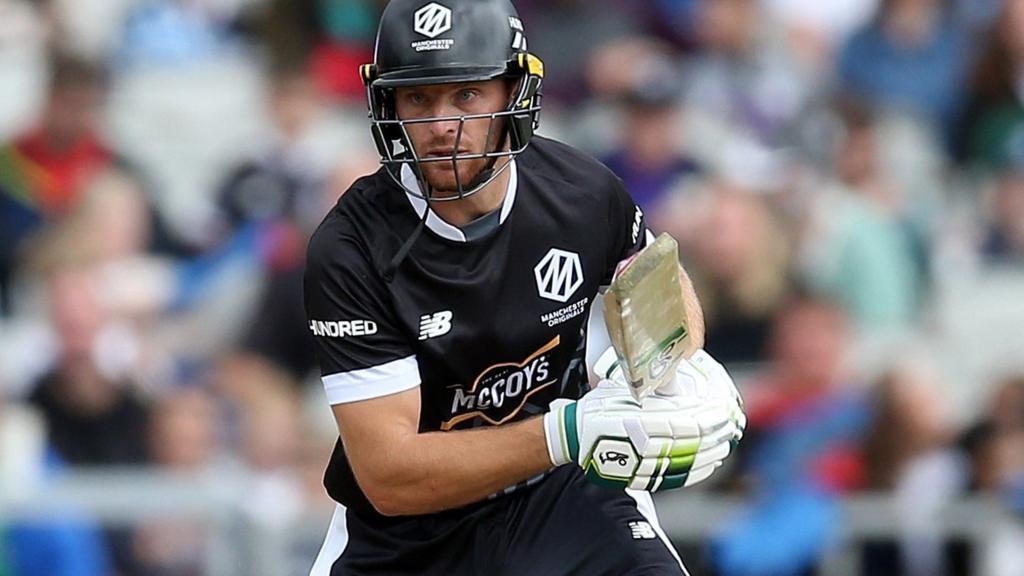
[443,127]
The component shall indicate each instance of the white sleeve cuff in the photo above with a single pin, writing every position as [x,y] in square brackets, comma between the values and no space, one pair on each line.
[373,382]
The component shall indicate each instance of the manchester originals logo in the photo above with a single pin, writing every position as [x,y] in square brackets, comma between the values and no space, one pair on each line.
[501,391]
[432,20]
[559,274]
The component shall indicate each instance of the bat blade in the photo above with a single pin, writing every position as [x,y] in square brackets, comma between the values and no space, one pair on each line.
[645,312]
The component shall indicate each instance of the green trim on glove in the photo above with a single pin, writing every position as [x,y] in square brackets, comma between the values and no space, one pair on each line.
[570,433]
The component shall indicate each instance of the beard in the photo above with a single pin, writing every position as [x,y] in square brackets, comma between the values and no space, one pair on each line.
[442,177]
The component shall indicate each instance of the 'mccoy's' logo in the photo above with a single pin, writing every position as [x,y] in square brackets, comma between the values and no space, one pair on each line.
[501,391]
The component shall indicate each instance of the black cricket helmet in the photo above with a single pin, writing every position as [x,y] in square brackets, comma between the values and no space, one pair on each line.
[423,42]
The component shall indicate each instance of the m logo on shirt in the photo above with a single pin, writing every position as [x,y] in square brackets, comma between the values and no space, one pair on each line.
[559,274]
[434,325]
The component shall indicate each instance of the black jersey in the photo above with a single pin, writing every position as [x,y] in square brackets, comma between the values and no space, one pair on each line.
[491,328]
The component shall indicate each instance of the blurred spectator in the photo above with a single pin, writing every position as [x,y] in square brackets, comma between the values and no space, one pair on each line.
[271,441]
[648,157]
[150,302]
[103,241]
[71,546]
[914,56]
[806,420]
[348,28]
[817,28]
[859,250]
[994,123]
[269,437]
[88,400]
[907,452]
[178,32]
[111,229]
[674,21]
[289,28]
[42,171]
[747,78]
[51,162]
[1004,417]
[738,254]
[336,36]
[93,415]
[183,434]
[285,194]
[565,33]
[285,184]
[996,448]
[1004,237]
[183,439]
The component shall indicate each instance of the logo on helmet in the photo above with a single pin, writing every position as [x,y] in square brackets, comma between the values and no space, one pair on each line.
[433,20]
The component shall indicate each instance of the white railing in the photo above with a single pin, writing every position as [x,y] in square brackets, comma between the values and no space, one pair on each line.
[242,542]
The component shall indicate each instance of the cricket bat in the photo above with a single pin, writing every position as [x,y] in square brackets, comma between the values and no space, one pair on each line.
[645,313]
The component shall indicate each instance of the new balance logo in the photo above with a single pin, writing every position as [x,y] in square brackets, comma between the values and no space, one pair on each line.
[558,275]
[642,530]
[434,325]
[433,20]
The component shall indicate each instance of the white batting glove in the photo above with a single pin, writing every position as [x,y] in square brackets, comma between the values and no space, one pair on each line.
[704,389]
[720,386]
[664,442]
[675,437]
[700,379]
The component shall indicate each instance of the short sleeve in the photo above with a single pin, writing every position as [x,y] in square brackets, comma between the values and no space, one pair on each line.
[628,227]
[359,346]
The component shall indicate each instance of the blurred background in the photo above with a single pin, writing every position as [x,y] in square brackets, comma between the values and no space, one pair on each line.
[845,179]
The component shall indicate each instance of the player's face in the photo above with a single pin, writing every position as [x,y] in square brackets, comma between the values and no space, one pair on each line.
[438,139]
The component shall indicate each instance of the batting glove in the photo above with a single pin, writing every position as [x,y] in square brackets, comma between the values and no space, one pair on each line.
[700,379]
[666,441]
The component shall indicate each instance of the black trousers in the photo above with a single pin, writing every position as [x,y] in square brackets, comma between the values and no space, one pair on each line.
[561,526]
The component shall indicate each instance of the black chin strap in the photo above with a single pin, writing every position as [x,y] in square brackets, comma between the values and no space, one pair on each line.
[389,272]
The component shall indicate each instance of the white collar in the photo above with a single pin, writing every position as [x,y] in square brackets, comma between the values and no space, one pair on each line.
[435,222]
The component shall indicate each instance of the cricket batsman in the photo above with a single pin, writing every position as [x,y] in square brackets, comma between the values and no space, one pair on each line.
[448,295]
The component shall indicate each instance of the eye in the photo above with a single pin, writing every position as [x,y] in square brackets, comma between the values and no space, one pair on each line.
[416,98]
[467,95]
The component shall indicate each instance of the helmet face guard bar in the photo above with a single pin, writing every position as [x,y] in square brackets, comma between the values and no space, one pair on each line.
[395,147]
[396,152]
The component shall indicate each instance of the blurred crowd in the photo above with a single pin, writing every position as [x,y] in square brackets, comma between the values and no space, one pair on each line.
[845,179]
